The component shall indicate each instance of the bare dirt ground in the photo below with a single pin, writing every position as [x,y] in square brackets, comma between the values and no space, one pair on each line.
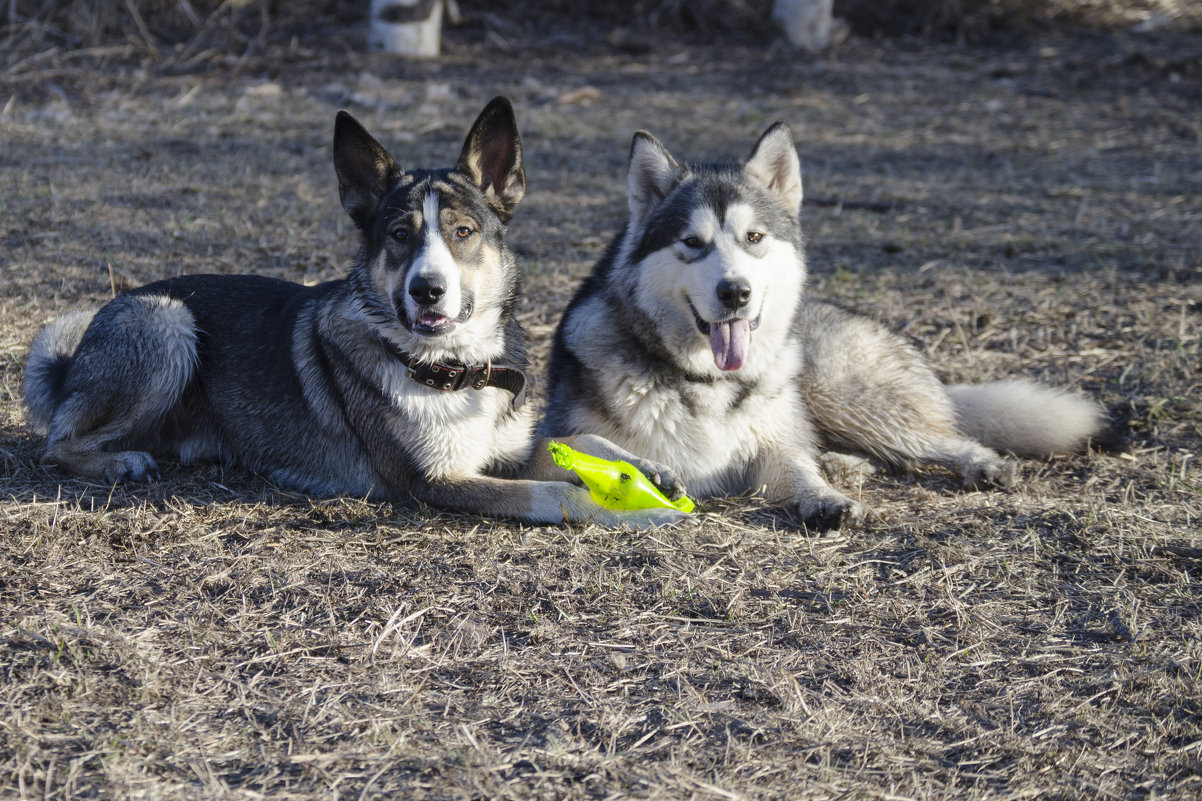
[1032,210]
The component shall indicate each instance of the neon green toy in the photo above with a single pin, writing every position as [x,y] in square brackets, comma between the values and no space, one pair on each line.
[615,485]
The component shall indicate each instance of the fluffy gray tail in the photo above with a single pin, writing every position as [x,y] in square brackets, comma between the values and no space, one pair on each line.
[1030,420]
[49,357]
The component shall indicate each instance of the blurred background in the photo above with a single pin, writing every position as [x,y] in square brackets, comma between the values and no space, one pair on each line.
[186,34]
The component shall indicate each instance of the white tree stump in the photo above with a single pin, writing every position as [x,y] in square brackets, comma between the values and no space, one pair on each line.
[808,24]
[411,28]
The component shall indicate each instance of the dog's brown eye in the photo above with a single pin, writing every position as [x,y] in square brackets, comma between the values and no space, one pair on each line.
[692,242]
[400,234]
[463,232]
[754,236]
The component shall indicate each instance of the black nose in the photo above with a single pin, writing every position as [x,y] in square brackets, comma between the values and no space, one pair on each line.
[734,294]
[426,290]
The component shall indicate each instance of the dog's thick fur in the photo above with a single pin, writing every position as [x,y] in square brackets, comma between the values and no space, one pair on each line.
[308,385]
[692,342]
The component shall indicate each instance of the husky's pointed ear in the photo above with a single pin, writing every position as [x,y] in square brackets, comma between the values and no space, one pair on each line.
[652,174]
[366,171]
[492,157]
[774,163]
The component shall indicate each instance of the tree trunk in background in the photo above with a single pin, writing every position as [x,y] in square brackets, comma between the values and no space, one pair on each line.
[411,28]
[807,23]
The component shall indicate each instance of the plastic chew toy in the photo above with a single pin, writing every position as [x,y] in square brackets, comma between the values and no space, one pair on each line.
[615,485]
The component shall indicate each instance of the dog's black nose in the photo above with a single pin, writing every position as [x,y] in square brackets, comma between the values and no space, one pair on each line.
[734,295]
[426,290]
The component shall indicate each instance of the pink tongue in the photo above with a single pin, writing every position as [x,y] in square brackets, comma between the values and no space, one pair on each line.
[729,343]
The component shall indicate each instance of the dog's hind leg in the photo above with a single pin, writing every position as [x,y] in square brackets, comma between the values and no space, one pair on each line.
[845,468]
[905,423]
[870,392]
[49,360]
[127,373]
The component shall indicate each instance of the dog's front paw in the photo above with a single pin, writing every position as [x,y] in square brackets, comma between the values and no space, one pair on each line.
[131,466]
[828,512]
[663,477]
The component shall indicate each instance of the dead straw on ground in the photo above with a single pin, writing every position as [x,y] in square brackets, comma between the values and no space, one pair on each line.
[1029,211]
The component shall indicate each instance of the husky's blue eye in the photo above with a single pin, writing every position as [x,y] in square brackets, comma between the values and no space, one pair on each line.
[754,236]
[692,242]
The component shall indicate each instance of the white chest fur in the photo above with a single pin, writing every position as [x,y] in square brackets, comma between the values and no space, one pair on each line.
[446,433]
[710,433]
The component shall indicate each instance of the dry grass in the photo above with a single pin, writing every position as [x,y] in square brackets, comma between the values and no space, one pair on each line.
[1032,211]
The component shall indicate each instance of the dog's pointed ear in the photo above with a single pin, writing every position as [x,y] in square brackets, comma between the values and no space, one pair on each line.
[366,171]
[652,174]
[774,163]
[492,157]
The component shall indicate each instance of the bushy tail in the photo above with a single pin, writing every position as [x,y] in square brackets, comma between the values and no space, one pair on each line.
[1030,420]
[49,357]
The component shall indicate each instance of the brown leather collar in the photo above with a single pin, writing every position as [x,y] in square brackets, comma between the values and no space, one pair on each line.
[453,376]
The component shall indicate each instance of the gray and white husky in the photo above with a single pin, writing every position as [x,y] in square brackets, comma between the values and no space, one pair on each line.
[692,343]
[405,378]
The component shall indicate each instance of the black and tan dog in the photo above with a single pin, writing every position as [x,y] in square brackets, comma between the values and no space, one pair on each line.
[404,379]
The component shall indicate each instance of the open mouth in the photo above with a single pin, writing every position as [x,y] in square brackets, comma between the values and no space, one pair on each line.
[729,339]
[431,323]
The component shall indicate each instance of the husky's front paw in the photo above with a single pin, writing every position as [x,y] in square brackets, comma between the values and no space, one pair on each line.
[830,512]
[662,476]
[131,466]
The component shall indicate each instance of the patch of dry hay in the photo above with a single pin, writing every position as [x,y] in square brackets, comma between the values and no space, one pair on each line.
[210,635]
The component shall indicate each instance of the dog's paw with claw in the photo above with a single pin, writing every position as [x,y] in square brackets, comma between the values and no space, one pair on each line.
[131,466]
[829,512]
[662,476]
